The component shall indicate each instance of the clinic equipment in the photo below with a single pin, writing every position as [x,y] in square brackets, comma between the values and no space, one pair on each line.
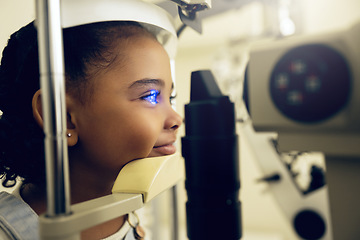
[307,90]
[210,150]
[58,222]
[133,188]
[307,212]
[190,15]
[161,173]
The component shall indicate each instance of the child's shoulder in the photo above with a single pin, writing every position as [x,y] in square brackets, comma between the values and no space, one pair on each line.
[18,220]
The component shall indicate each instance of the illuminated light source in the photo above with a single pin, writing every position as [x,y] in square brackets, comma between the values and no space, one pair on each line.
[152,97]
[286,24]
[287,27]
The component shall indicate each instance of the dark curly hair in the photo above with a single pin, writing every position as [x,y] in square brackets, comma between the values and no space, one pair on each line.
[87,49]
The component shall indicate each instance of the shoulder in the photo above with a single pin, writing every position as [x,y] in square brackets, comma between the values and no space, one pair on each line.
[17,219]
[4,235]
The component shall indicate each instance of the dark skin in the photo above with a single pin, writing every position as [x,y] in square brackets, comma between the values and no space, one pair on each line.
[129,117]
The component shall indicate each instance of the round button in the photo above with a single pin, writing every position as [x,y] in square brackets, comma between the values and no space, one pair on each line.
[309,225]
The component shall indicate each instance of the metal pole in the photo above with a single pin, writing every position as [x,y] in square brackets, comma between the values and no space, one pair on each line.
[175,223]
[52,84]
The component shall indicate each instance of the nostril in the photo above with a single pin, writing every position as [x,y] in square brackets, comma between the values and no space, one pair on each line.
[174,127]
[173,121]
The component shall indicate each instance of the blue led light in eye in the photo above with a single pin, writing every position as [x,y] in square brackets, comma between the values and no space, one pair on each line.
[152,97]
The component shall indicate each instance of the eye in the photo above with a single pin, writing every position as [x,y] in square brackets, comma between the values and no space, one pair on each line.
[172,99]
[152,97]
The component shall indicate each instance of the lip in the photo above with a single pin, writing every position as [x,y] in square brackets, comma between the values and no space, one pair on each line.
[165,149]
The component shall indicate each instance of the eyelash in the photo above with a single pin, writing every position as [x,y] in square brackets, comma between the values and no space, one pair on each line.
[172,98]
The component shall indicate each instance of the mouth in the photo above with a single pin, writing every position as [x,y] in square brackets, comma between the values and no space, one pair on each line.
[165,149]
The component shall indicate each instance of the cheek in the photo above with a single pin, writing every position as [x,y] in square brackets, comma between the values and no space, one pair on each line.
[115,147]
[113,140]
[142,138]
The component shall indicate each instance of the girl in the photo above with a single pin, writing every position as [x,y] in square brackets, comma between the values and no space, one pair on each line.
[118,99]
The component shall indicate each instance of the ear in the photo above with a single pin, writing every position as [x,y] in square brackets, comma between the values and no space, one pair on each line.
[37,108]
[71,134]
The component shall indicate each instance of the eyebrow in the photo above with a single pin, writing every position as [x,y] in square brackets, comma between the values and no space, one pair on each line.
[147,81]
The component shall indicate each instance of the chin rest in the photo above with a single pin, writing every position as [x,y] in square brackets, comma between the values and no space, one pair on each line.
[150,176]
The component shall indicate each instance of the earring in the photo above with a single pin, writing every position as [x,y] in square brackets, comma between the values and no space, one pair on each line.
[68,135]
[138,231]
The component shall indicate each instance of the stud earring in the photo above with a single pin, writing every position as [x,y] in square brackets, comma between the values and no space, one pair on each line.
[68,135]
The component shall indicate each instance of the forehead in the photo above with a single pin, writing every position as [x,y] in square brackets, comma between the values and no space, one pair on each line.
[137,58]
[142,54]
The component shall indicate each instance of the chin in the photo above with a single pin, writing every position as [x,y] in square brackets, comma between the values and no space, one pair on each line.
[155,154]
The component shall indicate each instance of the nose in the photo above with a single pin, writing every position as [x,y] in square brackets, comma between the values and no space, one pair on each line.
[173,121]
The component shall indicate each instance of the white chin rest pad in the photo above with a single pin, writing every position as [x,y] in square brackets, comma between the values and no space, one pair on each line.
[150,176]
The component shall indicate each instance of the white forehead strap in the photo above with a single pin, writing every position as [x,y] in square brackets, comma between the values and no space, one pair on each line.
[152,17]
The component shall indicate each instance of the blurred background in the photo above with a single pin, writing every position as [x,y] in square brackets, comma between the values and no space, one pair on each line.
[223,47]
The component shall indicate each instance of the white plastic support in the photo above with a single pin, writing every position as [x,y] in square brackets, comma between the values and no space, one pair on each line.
[138,182]
[150,176]
[87,214]
[286,193]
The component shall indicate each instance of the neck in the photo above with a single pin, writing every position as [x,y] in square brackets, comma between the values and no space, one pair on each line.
[86,184]
[37,201]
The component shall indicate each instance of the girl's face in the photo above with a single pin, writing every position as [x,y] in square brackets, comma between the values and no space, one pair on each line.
[129,115]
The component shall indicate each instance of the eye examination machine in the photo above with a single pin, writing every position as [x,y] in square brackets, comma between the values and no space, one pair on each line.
[306,89]
[300,96]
